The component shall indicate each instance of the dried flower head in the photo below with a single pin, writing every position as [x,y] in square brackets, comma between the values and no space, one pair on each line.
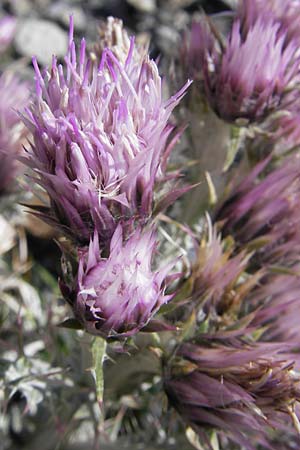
[113,35]
[215,276]
[14,96]
[263,212]
[100,134]
[118,295]
[247,75]
[241,391]
[276,306]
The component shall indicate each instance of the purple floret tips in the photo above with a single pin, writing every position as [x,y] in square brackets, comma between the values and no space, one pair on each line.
[118,295]
[246,77]
[100,131]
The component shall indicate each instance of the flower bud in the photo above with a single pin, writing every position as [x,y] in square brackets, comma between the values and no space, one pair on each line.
[118,295]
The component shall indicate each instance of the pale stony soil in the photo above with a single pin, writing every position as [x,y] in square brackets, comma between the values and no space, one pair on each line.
[43,24]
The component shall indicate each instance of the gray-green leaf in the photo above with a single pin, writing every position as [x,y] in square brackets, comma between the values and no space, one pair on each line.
[98,356]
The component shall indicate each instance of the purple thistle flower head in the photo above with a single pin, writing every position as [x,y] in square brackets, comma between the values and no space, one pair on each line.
[100,132]
[215,276]
[247,75]
[264,212]
[118,295]
[240,391]
[282,132]
[277,308]
[14,96]
[7,30]
[285,12]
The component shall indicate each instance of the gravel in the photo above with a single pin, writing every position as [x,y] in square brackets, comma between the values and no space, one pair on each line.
[42,39]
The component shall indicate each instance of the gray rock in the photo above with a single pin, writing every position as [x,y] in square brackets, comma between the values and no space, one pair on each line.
[21,8]
[231,3]
[147,6]
[223,21]
[167,39]
[61,12]
[96,3]
[42,39]
[176,4]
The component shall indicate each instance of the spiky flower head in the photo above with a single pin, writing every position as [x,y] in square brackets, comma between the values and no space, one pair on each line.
[100,133]
[7,30]
[286,13]
[248,74]
[262,212]
[238,295]
[14,96]
[275,307]
[118,295]
[215,277]
[241,391]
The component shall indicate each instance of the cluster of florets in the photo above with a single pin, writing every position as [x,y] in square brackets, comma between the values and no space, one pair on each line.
[245,77]
[244,292]
[238,389]
[117,295]
[100,134]
[100,146]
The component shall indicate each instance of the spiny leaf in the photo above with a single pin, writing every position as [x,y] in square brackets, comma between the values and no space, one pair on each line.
[236,139]
[156,326]
[98,355]
[171,197]
[193,439]
[212,193]
[189,327]
[71,323]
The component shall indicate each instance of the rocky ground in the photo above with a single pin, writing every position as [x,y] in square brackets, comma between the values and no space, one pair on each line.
[43,24]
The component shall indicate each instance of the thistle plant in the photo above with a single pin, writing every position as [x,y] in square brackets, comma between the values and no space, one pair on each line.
[219,297]
[242,295]
[239,364]
[99,149]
